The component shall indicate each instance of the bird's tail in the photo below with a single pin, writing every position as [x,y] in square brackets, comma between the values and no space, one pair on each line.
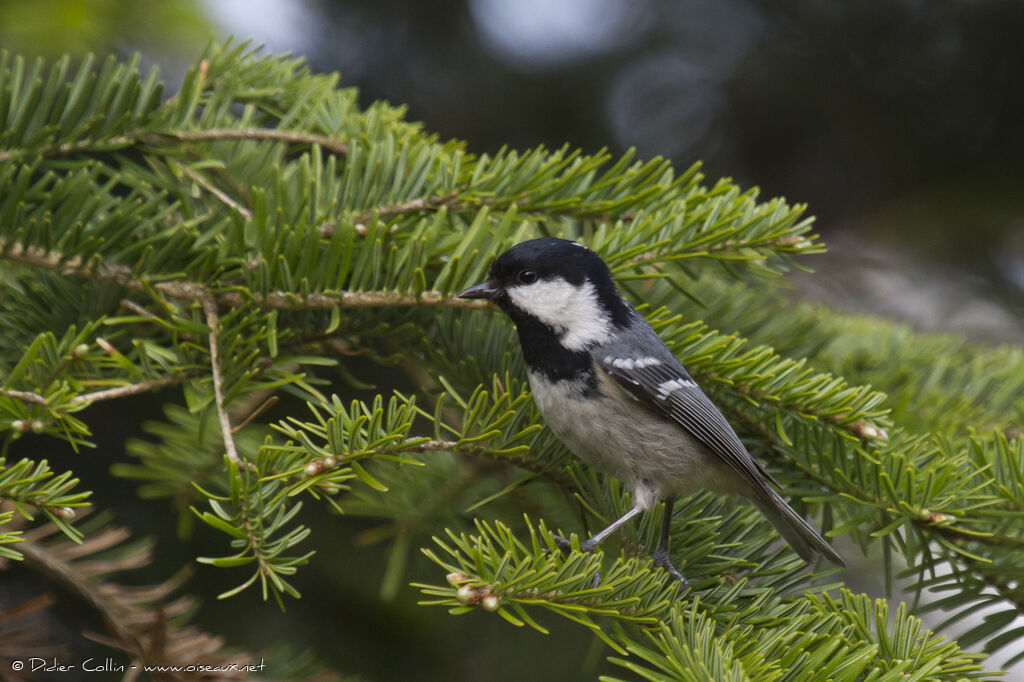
[797,532]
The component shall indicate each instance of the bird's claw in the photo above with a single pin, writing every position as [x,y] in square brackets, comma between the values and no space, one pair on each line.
[586,546]
[662,561]
[563,544]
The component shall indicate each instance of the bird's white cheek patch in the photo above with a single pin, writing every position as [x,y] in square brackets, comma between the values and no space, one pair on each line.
[573,311]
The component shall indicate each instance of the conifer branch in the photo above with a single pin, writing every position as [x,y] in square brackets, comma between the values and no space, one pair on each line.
[133,389]
[792,240]
[413,206]
[40,559]
[213,322]
[27,397]
[141,620]
[438,201]
[339,299]
[522,461]
[30,397]
[1007,589]
[336,147]
[359,210]
[124,276]
[169,138]
[23,630]
[418,446]
[474,204]
[30,484]
[219,194]
[927,521]
[138,309]
[265,405]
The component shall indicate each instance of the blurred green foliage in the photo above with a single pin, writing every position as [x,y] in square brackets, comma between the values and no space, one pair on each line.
[50,28]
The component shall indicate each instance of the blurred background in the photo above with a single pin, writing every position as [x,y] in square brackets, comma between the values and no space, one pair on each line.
[900,123]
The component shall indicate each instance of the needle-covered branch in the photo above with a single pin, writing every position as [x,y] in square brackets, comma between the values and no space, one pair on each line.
[259,235]
[98,396]
[213,322]
[33,488]
[194,291]
[148,623]
[813,637]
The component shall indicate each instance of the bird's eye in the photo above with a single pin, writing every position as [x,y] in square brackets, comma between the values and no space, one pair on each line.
[527,276]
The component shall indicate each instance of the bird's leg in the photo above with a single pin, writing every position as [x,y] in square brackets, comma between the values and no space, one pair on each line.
[590,544]
[661,559]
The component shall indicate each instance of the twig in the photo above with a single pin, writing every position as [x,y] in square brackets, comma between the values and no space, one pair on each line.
[139,619]
[794,241]
[275,134]
[413,206]
[131,389]
[339,299]
[136,308]
[344,348]
[216,192]
[554,475]
[33,398]
[38,557]
[213,322]
[23,396]
[137,137]
[124,276]
[264,406]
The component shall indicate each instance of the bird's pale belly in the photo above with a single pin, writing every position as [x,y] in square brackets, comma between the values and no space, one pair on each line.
[654,457]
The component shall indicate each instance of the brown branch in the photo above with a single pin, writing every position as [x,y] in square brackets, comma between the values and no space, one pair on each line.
[264,406]
[32,398]
[339,299]
[219,194]
[554,475]
[476,451]
[136,308]
[139,137]
[39,558]
[213,322]
[435,202]
[794,241]
[140,620]
[124,276]
[23,396]
[273,134]
[413,206]
[131,389]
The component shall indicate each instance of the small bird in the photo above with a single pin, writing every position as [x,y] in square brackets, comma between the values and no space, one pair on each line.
[617,397]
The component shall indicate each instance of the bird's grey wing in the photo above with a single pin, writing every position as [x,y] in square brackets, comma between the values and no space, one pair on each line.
[662,385]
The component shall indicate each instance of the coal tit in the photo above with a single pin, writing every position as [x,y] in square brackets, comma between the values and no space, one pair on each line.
[617,397]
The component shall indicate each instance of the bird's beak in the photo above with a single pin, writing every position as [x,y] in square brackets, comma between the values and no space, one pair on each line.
[486,289]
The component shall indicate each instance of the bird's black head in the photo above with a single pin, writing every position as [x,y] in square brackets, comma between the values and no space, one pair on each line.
[563,285]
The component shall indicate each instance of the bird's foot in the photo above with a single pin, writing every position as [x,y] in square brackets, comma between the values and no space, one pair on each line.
[565,545]
[562,543]
[586,546]
[662,561]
